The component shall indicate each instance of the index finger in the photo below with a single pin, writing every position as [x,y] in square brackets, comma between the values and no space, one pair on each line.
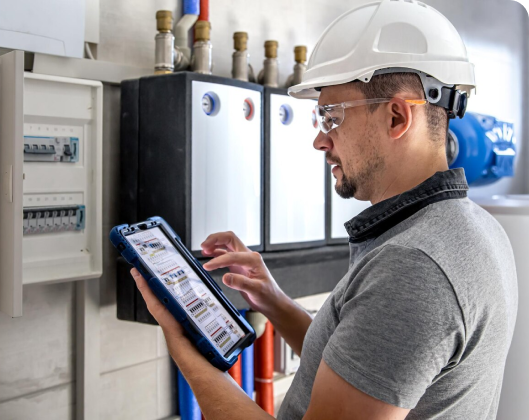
[240,259]
[223,239]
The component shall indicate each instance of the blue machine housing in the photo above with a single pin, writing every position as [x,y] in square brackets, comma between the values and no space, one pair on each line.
[484,146]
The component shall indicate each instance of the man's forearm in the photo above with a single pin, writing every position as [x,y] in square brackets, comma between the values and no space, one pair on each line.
[291,321]
[217,393]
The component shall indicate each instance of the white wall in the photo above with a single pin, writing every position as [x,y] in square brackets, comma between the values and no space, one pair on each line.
[37,375]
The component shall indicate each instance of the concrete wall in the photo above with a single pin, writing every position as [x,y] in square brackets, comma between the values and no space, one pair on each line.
[37,351]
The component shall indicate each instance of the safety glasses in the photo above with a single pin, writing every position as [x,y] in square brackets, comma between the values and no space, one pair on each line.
[331,116]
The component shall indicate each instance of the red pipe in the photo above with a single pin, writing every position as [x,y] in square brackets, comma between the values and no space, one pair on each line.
[264,369]
[236,371]
[204,10]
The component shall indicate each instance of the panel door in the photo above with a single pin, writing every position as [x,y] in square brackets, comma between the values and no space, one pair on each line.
[297,174]
[226,163]
[11,161]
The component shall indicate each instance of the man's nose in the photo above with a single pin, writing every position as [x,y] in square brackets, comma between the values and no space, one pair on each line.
[322,142]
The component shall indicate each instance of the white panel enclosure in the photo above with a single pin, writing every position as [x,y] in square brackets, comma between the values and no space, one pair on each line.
[11,133]
[64,107]
[297,173]
[38,112]
[52,26]
[226,164]
[343,210]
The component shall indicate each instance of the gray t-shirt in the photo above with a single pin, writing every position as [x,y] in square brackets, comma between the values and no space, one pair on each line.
[424,318]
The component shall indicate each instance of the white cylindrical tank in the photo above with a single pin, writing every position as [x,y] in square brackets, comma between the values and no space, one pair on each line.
[512,211]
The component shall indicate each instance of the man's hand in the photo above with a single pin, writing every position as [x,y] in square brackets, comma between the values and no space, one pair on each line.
[249,273]
[216,392]
[173,331]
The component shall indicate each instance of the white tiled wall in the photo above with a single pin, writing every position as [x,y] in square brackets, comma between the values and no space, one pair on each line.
[37,377]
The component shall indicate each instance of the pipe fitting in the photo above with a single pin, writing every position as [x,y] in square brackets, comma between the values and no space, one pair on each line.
[269,75]
[240,59]
[202,30]
[271,49]
[300,56]
[258,322]
[202,61]
[182,50]
[240,41]
[164,20]
[300,53]
[164,40]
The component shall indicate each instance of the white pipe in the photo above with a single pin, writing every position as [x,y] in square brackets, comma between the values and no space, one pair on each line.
[181,33]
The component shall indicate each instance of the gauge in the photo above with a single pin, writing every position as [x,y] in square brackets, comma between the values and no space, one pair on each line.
[210,104]
[285,114]
[248,109]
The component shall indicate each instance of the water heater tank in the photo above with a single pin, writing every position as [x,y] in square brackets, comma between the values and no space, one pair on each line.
[483,146]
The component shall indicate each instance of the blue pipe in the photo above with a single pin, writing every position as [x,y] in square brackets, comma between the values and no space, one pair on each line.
[247,368]
[248,371]
[189,409]
[191,7]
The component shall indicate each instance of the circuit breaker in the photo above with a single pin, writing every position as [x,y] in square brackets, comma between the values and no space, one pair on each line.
[51,165]
[295,174]
[51,149]
[192,152]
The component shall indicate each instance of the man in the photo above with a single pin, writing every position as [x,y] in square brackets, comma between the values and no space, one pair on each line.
[420,326]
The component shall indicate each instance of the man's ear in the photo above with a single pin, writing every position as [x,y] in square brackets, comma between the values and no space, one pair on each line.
[399,118]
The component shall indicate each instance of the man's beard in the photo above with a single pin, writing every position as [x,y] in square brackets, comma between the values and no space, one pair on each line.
[347,187]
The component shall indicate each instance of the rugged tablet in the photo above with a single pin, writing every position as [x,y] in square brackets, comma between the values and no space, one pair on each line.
[187,290]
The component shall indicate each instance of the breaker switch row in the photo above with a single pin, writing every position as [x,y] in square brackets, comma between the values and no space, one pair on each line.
[53,219]
[51,149]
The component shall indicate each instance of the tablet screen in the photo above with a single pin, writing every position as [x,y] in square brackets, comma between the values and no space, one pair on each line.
[202,307]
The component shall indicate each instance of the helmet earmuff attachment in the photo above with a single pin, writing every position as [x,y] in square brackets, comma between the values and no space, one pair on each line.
[437,93]
[454,101]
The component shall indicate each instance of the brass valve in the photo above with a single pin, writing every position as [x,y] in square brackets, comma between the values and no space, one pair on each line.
[202,30]
[300,53]
[271,49]
[164,20]
[240,41]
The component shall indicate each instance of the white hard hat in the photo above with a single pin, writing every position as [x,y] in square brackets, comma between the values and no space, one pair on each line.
[391,36]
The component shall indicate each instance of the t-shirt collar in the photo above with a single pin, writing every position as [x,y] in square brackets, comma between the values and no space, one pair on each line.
[382,216]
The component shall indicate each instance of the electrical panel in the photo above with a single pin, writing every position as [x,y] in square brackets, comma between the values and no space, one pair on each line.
[295,174]
[192,152]
[51,162]
[339,211]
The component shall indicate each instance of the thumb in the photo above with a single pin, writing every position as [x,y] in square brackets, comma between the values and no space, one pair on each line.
[242,283]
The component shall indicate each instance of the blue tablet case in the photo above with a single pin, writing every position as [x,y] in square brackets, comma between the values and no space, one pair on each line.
[202,343]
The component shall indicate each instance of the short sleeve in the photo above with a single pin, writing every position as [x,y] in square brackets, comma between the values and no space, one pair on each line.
[399,325]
